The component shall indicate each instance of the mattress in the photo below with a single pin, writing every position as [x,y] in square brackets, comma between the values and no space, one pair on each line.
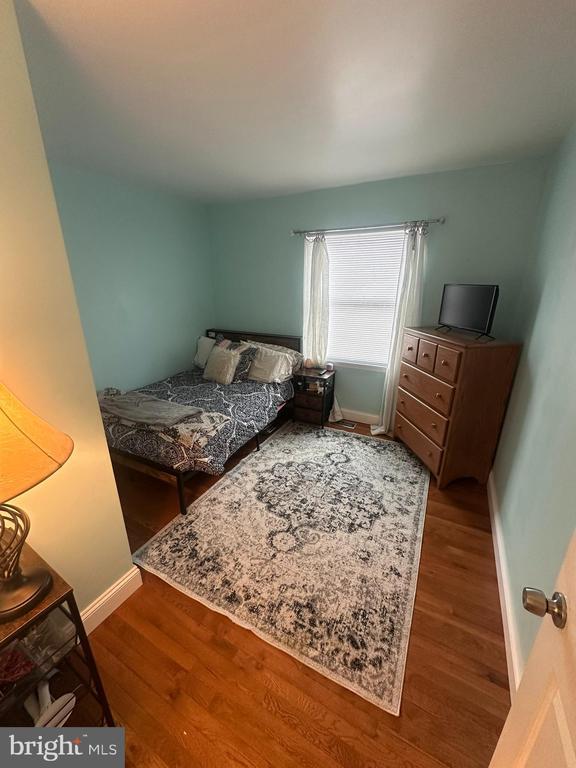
[230,416]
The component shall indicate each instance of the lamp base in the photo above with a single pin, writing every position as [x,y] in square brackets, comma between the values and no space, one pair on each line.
[22,592]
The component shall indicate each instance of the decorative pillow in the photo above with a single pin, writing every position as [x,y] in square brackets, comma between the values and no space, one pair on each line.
[296,357]
[221,365]
[247,354]
[203,350]
[270,366]
[108,392]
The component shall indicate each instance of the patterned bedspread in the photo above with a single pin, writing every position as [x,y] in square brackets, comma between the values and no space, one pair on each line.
[230,416]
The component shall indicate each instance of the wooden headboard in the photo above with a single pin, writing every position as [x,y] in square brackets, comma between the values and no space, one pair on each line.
[292,342]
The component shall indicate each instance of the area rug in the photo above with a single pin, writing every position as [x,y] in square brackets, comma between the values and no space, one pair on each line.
[313,543]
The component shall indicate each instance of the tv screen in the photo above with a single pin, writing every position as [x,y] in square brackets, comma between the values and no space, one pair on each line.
[470,307]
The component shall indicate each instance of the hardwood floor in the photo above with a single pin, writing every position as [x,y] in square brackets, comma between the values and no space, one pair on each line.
[194,689]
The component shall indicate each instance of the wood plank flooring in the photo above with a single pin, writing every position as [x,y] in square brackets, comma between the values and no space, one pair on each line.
[194,689]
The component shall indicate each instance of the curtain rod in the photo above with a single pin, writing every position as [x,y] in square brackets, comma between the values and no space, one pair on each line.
[417,222]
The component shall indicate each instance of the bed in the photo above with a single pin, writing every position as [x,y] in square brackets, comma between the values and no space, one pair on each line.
[229,417]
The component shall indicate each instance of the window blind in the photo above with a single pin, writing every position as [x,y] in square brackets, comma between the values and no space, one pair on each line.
[364,275]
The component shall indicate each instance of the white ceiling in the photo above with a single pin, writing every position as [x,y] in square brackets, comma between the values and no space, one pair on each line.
[228,98]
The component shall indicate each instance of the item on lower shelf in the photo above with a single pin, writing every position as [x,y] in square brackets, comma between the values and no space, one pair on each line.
[14,664]
[47,640]
[58,713]
[46,712]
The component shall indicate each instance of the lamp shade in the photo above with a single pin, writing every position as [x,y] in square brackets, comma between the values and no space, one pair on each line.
[30,449]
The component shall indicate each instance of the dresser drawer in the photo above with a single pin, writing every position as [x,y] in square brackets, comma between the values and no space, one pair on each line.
[409,347]
[447,363]
[426,355]
[436,393]
[313,402]
[423,417]
[425,449]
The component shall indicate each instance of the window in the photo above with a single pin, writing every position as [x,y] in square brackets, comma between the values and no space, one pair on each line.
[364,275]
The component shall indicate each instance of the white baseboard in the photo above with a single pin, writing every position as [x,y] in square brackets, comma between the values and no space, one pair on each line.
[365,418]
[112,598]
[514,657]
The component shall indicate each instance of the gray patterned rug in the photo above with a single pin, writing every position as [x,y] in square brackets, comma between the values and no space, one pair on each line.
[313,543]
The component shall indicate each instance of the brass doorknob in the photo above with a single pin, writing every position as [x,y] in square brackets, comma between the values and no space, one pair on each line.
[535,601]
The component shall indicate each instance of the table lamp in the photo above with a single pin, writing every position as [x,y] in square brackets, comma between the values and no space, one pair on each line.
[30,451]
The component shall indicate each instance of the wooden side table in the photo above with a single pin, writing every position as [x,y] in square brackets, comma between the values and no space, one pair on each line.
[313,395]
[74,658]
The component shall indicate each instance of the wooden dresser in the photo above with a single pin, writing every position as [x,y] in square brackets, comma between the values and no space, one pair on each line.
[452,397]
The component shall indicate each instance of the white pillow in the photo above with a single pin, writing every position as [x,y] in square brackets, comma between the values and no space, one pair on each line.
[296,357]
[270,366]
[221,365]
[203,350]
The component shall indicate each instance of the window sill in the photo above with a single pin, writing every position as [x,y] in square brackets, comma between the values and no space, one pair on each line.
[360,366]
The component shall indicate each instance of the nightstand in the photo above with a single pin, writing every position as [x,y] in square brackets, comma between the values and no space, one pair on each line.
[313,395]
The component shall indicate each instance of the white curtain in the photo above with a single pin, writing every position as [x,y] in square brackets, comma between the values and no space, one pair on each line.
[316,300]
[317,306]
[408,313]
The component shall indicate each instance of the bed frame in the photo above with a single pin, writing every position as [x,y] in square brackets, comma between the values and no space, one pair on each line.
[139,463]
[292,342]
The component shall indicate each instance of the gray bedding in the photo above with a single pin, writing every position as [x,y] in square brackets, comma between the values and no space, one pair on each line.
[136,407]
[228,417]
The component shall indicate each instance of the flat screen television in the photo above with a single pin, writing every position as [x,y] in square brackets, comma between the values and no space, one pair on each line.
[469,307]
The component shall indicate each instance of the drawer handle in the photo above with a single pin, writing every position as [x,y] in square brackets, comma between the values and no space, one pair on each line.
[404,375]
[425,354]
[429,453]
[438,395]
[433,425]
[398,426]
[444,362]
[402,402]
[410,348]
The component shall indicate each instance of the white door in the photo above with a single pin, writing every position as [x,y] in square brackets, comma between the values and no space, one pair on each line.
[540,731]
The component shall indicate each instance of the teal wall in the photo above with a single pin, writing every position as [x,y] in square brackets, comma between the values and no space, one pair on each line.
[165,268]
[534,474]
[140,263]
[488,237]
